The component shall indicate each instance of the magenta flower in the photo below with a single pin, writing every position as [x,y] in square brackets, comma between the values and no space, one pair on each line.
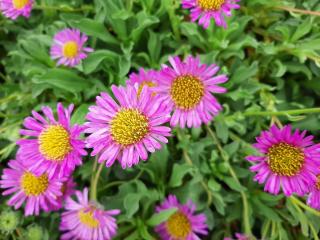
[15,8]
[129,128]
[55,145]
[187,86]
[85,220]
[184,224]
[38,192]
[69,47]
[288,161]
[205,10]
[314,195]
[143,78]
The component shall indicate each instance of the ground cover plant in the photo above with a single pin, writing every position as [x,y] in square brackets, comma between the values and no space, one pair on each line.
[149,119]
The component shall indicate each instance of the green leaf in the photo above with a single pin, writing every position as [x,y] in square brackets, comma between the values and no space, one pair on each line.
[160,217]
[302,29]
[233,184]
[178,173]
[244,73]
[78,117]
[64,79]
[131,203]
[94,29]
[91,63]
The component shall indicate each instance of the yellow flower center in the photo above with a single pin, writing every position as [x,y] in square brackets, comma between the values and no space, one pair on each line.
[187,91]
[209,5]
[33,185]
[145,83]
[88,219]
[19,4]
[55,143]
[70,49]
[318,182]
[178,226]
[285,159]
[129,126]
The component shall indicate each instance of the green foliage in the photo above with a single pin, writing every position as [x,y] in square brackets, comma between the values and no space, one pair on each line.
[272,57]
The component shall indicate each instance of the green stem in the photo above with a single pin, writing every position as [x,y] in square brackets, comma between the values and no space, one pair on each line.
[283,113]
[246,223]
[304,206]
[93,192]
[63,8]
[297,10]
[115,183]
[314,232]
[266,229]
[189,161]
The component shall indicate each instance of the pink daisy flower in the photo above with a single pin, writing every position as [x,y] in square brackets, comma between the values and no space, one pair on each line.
[288,161]
[38,192]
[55,146]
[314,196]
[205,10]
[85,220]
[188,87]
[15,8]
[69,48]
[129,128]
[143,78]
[183,224]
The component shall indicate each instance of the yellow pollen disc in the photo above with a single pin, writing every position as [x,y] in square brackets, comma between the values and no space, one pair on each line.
[129,126]
[19,4]
[70,49]
[210,4]
[88,219]
[55,143]
[178,226]
[187,91]
[285,159]
[318,182]
[33,185]
[145,83]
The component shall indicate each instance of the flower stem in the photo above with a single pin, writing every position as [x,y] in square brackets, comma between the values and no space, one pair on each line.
[296,10]
[304,206]
[246,221]
[189,161]
[283,113]
[94,183]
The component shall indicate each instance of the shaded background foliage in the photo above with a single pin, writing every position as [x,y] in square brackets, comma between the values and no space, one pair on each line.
[271,56]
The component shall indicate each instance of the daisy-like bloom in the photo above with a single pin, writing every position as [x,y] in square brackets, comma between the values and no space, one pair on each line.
[55,146]
[15,8]
[187,86]
[69,47]
[205,10]
[184,224]
[129,128]
[288,161]
[314,196]
[84,220]
[143,78]
[38,192]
